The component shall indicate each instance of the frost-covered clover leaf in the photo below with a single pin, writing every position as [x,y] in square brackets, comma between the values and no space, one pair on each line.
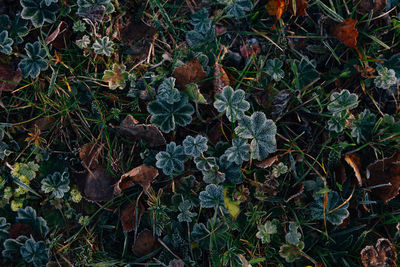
[342,101]
[273,67]
[237,8]
[49,2]
[172,160]
[84,42]
[4,226]
[205,163]
[38,12]
[116,77]
[79,26]
[293,236]
[34,252]
[84,6]
[168,116]
[103,46]
[279,169]
[231,102]
[167,91]
[194,146]
[12,246]
[212,197]
[16,28]
[5,43]
[305,71]
[28,216]
[362,127]
[239,151]
[56,183]
[386,78]
[266,230]
[213,176]
[34,62]
[186,215]
[291,252]
[261,131]
[337,122]
[333,215]
[201,22]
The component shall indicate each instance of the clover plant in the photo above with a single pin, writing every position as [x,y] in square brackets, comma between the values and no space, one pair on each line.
[57,184]
[205,163]
[305,72]
[386,77]
[4,226]
[16,28]
[201,22]
[232,102]
[116,77]
[167,91]
[12,247]
[261,131]
[186,215]
[5,43]
[361,128]
[335,212]
[273,67]
[238,152]
[103,46]
[293,236]
[237,8]
[213,176]
[38,12]
[84,42]
[34,62]
[194,146]
[291,252]
[34,252]
[342,101]
[266,230]
[168,116]
[212,197]
[28,216]
[172,160]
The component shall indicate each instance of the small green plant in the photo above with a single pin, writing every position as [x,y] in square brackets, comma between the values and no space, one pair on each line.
[201,22]
[34,252]
[273,67]
[337,123]
[16,28]
[34,62]
[194,146]
[239,151]
[212,197]
[266,230]
[260,131]
[232,102]
[79,26]
[57,184]
[169,116]
[167,91]
[84,42]
[116,77]
[237,8]
[38,12]
[361,128]
[186,215]
[386,77]
[5,43]
[28,216]
[342,101]
[172,160]
[335,212]
[279,169]
[103,46]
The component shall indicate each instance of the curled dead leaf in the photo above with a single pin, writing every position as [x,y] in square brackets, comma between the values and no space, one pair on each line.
[60,36]
[221,78]
[129,219]
[191,72]
[346,32]
[143,175]
[9,78]
[147,132]
[96,185]
[382,255]
[384,176]
[354,161]
[89,155]
[267,162]
[145,243]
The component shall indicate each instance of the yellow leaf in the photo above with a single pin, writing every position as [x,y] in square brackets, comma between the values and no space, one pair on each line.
[232,206]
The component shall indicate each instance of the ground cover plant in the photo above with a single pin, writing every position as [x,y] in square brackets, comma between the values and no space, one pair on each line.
[199,133]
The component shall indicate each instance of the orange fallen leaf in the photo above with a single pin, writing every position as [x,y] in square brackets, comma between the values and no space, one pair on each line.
[191,72]
[276,8]
[346,32]
[355,163]
[382,255]
[384,175]
[142,175]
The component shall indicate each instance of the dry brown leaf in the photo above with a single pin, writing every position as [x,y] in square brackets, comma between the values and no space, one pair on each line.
[60,36]
[385,172]
[145,243]
[355,163]
[191,72]
[96,185]
[276,8]
[366,6]
[249,49]
[367,72]
[267,162]
[128,216]
[147,132]
[143,175]
[382,255]
[221,79]
[9,78]
[89,155]
[346,32]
